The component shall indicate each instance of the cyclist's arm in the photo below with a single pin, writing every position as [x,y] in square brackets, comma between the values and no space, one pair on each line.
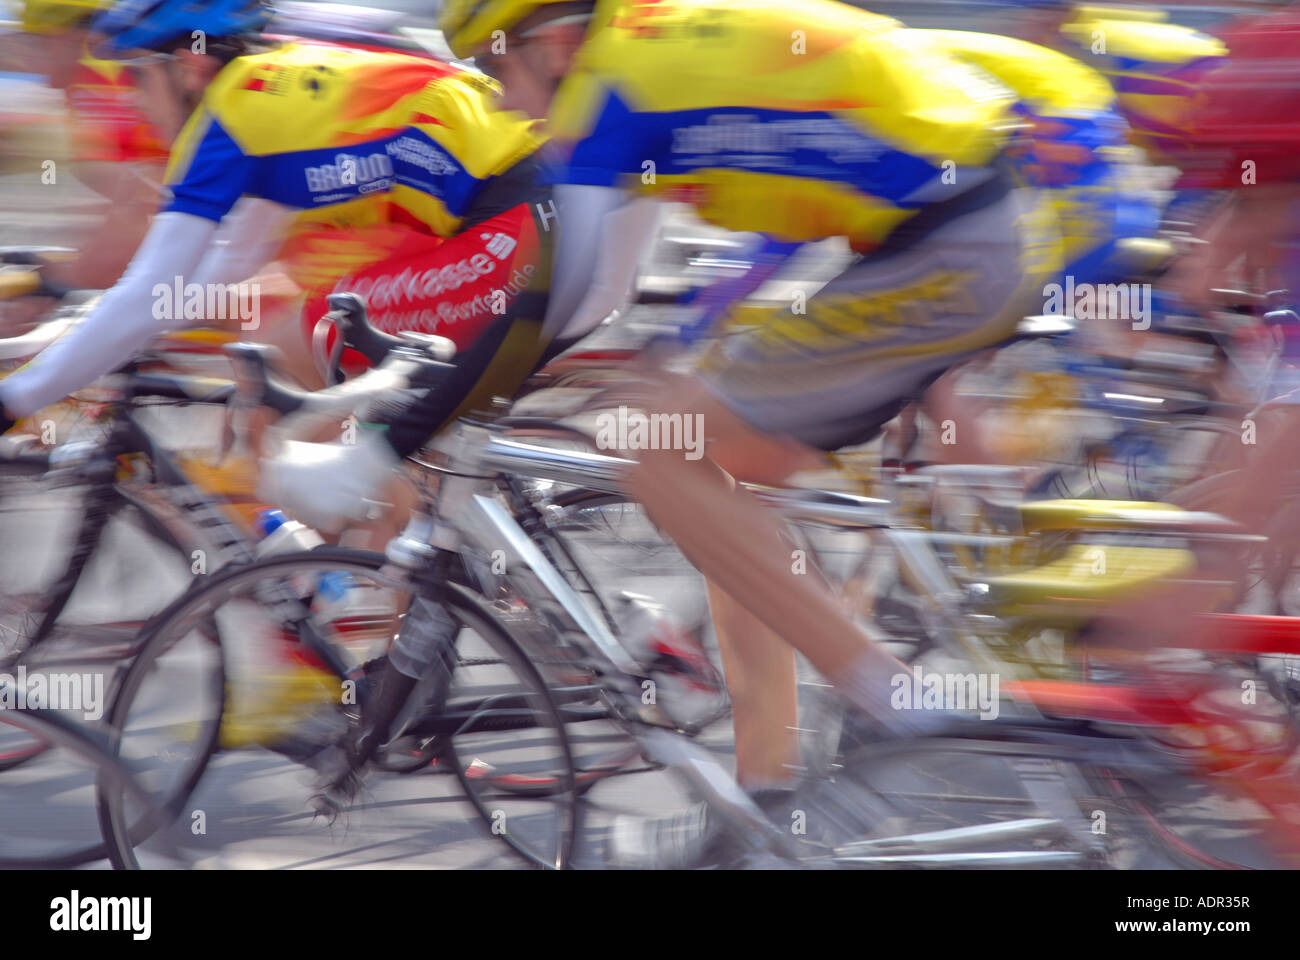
[250,237]
[601,235]
[127,316]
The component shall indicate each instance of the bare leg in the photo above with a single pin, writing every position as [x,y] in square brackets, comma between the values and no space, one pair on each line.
[944,407]
[761,683]
[715,524]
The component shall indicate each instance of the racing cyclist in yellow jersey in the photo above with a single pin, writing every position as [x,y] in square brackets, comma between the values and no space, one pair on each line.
[801,120]
[115,149]
[1154,66]
[122,118]
[401,152]
[350,169]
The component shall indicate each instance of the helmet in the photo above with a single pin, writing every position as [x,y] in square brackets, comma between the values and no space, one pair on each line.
[467,25]
[159,24]
[53,16]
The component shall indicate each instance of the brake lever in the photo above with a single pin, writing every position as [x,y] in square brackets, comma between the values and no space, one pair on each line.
[326,358]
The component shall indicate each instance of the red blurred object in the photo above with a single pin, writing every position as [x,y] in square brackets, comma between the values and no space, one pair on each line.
[1247,111]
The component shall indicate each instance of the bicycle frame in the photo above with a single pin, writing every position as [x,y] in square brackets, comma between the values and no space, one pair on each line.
[97,467]
[480,519]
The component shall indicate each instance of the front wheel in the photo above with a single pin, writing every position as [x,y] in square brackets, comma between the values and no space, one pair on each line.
[176,706]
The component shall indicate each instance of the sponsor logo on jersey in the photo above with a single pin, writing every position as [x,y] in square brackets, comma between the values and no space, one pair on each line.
[422,154]
[388,290]
[267,78]
[747,133]
[349,170]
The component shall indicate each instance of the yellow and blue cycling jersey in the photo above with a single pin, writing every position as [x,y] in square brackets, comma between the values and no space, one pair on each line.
[1070,121]
[1072,140]
[801,119]
[1153,65]
[346,136]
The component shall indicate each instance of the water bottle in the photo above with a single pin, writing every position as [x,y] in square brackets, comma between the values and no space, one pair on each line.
[281,535]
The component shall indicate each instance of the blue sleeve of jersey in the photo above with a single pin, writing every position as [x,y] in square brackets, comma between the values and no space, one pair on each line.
[618,144]
[218,174]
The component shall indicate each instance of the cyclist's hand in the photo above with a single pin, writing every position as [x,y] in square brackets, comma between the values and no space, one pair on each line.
[326,485]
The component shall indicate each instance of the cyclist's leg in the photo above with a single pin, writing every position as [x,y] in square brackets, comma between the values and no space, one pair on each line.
[870,339]
[761,683]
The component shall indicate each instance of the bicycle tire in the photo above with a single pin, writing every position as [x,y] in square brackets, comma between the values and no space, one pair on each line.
[58,732]
[218,589]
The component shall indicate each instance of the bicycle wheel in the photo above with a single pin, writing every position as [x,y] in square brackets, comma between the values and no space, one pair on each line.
[49,804]
[176,698]
[951,803]
[94,567]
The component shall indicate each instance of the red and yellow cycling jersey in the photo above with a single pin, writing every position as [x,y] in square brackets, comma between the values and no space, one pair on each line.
[801,119]
[108,123]
[349,137]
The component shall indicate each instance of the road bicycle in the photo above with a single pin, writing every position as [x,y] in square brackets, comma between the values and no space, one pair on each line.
[1056,759]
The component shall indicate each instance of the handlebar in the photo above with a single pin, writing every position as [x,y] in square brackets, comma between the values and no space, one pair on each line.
[398,371]
[348,313]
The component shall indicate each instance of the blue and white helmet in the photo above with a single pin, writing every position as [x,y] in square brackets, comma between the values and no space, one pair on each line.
[165,24]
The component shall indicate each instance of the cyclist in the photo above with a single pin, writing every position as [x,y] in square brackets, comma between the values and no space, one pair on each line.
[800,120]
[348,164]
[123,117]
[1070,139]
[1242,122]
[354,168]
[117,148]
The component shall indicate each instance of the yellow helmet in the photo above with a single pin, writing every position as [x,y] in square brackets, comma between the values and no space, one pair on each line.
[468,25]
[55,16]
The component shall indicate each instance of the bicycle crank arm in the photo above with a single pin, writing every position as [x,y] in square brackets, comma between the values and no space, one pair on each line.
[957,838]
[701,771]
[947,861]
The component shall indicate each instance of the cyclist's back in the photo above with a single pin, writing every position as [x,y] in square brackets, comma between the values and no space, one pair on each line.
[1073,140]
[801,120]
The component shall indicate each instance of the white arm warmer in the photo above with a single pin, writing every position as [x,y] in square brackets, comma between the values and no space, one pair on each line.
[602,235]
[119,324]
[250,236]
[129,315]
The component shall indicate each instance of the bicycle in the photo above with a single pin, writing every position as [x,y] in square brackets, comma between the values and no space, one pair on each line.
[480,454]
